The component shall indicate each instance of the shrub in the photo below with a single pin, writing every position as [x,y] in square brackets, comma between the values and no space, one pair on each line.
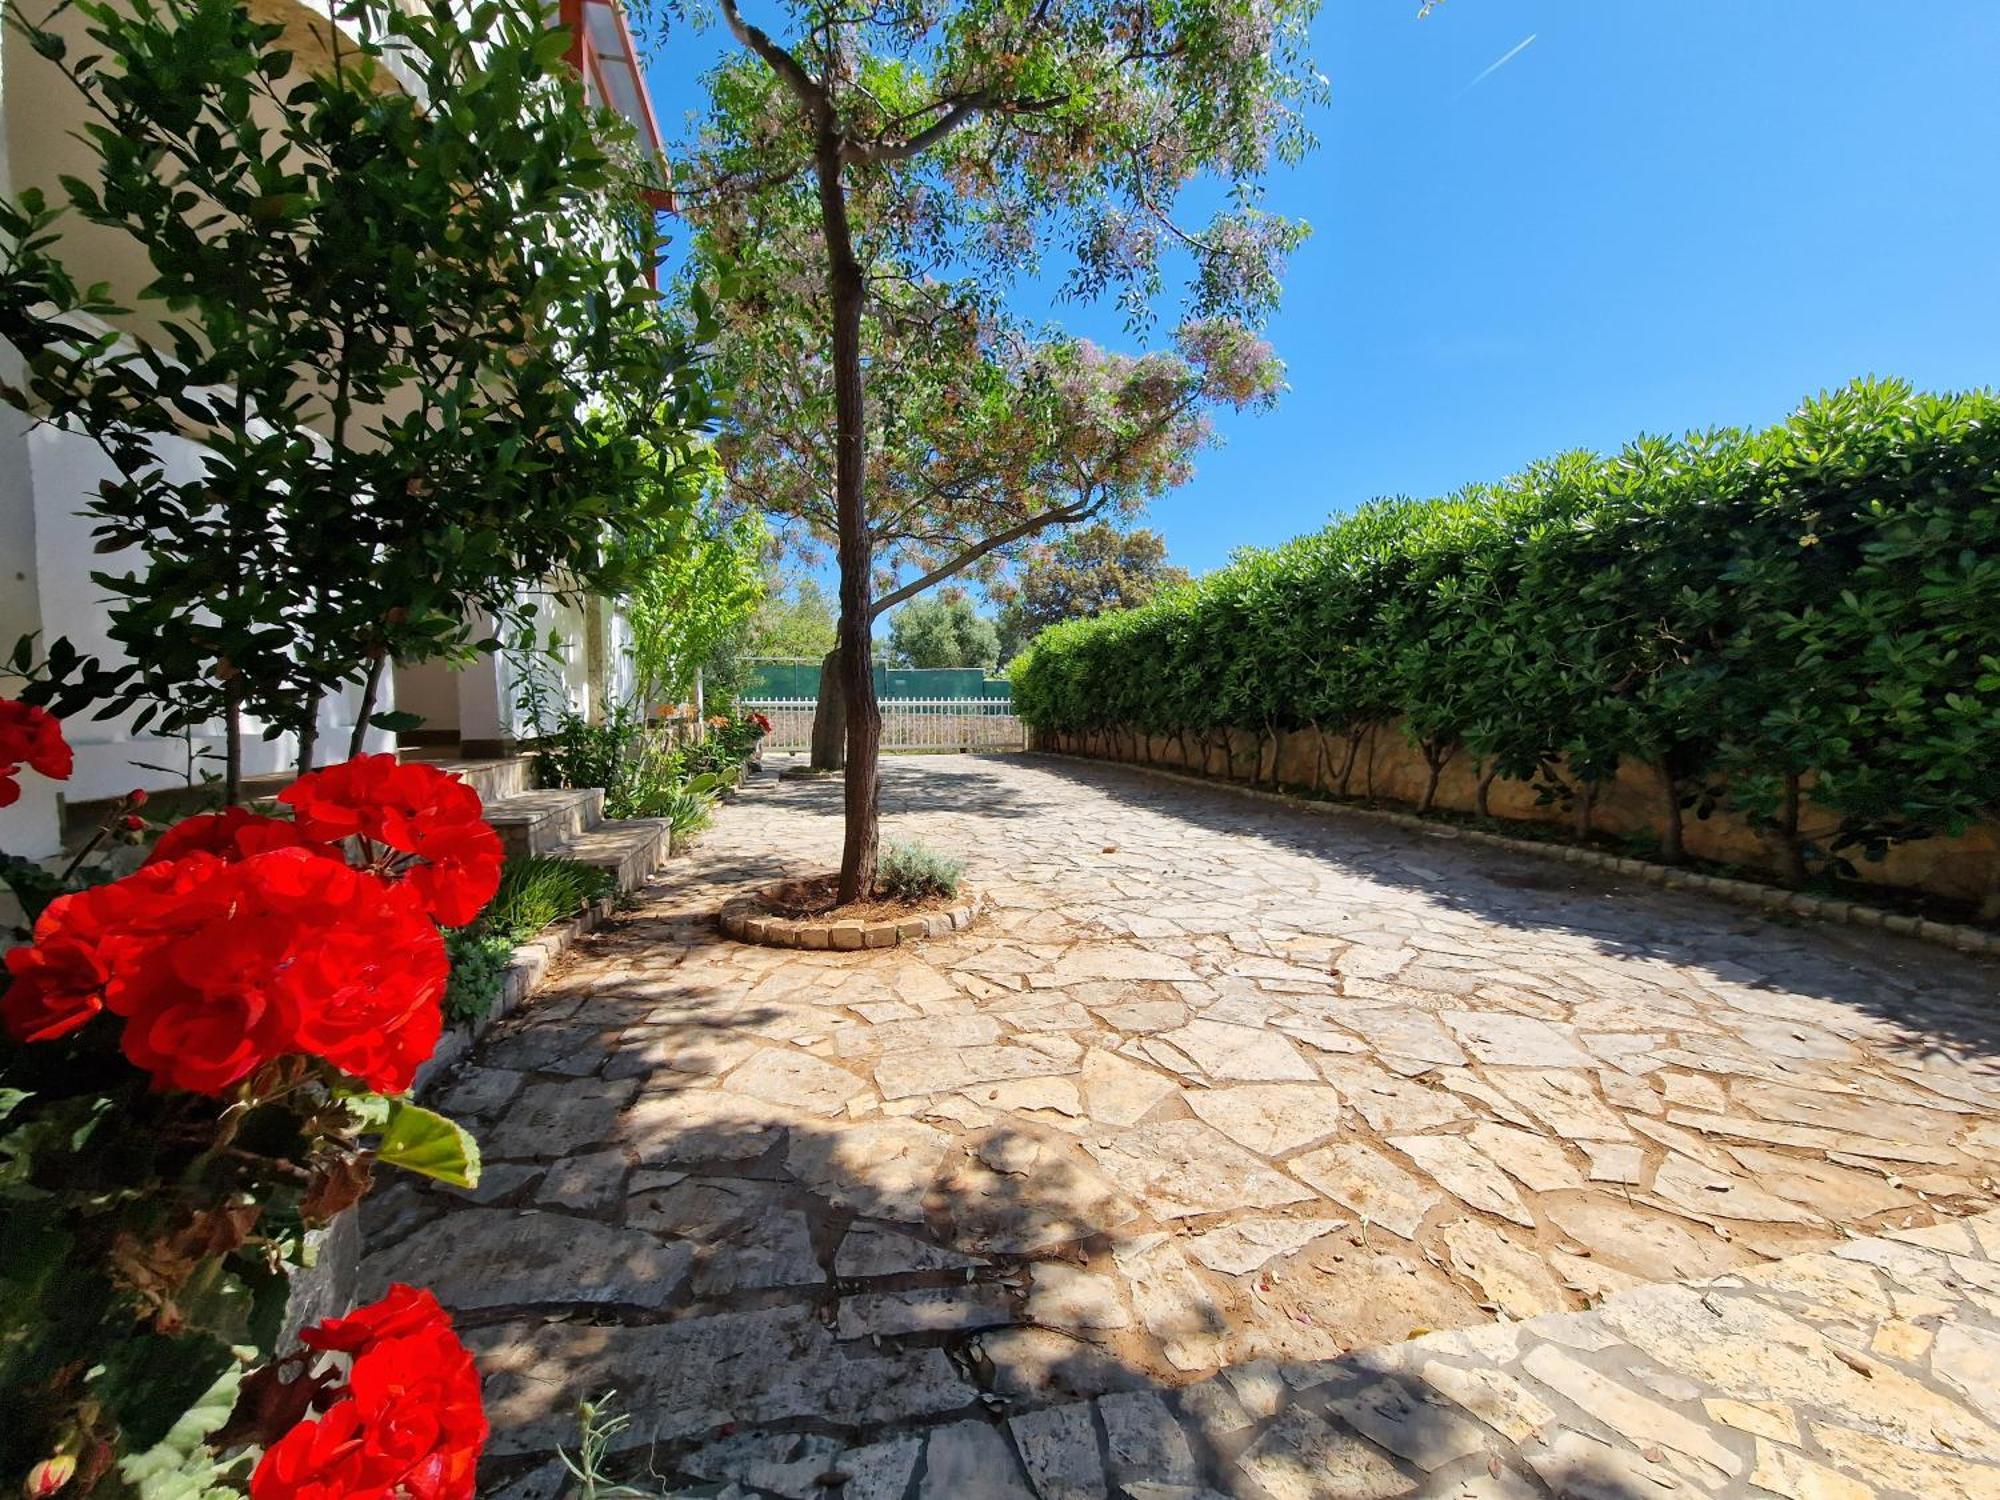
[540,889]
[1746,615]
[912,872]
[477,959]
[580,753]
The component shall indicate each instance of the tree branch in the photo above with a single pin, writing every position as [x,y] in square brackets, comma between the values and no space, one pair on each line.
[1061,515]
[775,57]
[959,111]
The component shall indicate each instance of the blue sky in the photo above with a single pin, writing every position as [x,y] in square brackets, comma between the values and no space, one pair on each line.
[1659,214]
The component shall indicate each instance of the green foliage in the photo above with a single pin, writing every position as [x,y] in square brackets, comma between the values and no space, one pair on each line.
[408,329]
[423,1141]
[910,871]
[477,958]
[1812,609]
[942,631]
[146,1237]
[698,581]
[538,889]
[686,804]
[534,892]
[792,623]
[581,752]
[1085,573]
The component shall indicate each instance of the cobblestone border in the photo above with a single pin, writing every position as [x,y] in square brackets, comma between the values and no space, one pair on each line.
[745,920]
[522,976]
[1770,898]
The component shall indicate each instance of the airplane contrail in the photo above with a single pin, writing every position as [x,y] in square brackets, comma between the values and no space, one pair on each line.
[1511,53]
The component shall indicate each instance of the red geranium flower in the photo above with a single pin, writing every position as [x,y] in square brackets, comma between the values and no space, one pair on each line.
[407,1426]
[33,737]
[232,834]
[412,809]
[217,968]
[402,1310]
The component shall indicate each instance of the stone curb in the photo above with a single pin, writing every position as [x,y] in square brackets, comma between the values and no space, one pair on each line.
[1770,898]
[522,976]
[745,920]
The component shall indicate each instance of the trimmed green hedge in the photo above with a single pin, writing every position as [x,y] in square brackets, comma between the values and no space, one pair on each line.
[1744,613]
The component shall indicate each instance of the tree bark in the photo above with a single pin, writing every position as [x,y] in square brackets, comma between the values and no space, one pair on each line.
[1480,793]
[358,741]
[847,290]
[309,734]
[1434,759]
[829,726]
[232,745]
[1585,805]
[1353,754]
[1673,848]
[1790,846]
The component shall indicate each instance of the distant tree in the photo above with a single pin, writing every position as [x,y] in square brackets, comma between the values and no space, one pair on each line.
[794,622]
[845,147]
[1088,572]
[943,630]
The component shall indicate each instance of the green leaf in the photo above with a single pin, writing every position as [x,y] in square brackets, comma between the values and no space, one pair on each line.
[397,721]
[180,1466]
[421,1140]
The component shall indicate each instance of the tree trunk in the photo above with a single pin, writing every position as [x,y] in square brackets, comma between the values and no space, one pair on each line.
[1353,754]
[1790,846]
[829,726]
[847,291]
[1370,784]
[1480,793]
[309,733]
[1585,804]
[358,741]
[1434,759]
[1673,848]
[232,746]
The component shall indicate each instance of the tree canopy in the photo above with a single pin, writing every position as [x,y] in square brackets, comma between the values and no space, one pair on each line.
[942,630]
[793,621]
[1085,573]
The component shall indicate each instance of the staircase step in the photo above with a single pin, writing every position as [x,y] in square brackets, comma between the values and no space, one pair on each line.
[539,822]
[494,780]
[631,848]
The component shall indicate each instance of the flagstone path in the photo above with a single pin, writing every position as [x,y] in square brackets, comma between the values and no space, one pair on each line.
[1233,1151]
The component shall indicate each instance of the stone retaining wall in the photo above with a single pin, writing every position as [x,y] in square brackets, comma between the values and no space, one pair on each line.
[1389,768]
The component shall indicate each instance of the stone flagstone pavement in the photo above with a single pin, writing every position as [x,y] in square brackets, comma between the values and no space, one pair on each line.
[1234,1151]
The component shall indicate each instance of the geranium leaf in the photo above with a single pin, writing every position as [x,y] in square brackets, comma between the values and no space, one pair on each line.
[421,1140]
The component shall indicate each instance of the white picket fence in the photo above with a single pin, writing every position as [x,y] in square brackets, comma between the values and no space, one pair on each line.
[907,723]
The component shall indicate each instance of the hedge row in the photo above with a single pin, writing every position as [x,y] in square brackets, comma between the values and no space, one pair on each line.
[1814,608]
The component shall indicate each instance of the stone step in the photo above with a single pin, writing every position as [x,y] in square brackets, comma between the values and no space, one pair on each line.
[540,822]
[494,780]
[631,848]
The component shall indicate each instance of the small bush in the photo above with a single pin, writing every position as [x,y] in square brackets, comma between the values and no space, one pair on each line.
[477,959]
[542,889]
[912,872]
[533,893]
[579,753]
